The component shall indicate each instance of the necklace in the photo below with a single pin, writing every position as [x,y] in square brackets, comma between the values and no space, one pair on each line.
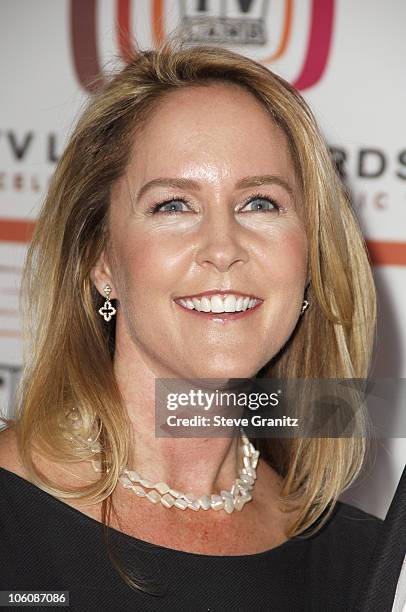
[235,499]
[240,493]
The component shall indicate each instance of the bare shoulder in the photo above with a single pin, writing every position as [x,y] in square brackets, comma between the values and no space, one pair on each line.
[9,453]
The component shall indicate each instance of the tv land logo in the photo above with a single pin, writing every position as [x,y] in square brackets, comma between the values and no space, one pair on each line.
[244,23]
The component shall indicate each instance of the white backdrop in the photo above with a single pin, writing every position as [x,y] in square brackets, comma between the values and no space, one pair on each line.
[346,57]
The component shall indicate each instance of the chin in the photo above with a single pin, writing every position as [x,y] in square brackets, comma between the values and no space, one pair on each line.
[225,371]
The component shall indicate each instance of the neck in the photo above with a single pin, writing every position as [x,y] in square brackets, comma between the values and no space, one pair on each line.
[194,465]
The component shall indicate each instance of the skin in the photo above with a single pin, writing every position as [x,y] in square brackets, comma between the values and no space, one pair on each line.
[215,135]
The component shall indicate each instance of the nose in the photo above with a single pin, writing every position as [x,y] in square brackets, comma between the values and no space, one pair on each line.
[221,241]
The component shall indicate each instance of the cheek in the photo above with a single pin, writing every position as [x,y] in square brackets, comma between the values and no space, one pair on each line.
[145,265]
[285,272]
[286,262]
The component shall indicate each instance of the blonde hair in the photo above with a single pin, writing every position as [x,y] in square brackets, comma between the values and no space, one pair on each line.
[69,356]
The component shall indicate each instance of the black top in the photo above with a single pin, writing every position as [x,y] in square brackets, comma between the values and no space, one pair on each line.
[378,591]
[46,545]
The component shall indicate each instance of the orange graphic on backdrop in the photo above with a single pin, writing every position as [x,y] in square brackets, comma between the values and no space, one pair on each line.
[16,230]
[287,26]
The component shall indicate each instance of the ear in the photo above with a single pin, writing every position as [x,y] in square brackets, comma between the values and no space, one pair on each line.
[101,276]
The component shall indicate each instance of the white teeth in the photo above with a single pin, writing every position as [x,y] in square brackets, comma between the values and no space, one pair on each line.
[229,303]
[205,304]
[215,303]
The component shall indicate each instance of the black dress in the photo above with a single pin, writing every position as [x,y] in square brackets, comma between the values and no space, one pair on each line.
[46,545]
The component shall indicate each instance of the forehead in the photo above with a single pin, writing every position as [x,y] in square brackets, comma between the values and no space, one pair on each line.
[219,130]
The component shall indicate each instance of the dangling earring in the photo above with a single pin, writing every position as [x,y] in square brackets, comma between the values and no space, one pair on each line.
[107,310]
[304,306]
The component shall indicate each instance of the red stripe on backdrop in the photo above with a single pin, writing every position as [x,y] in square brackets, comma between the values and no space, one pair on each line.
[16,230]
[158,26]
[383,253]
[124,33]
[83,33]
[387,253]
[319,44]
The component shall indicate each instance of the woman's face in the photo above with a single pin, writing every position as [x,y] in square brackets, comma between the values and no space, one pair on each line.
[223,229]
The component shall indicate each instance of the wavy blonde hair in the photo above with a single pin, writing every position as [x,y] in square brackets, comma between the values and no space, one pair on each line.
[70,349]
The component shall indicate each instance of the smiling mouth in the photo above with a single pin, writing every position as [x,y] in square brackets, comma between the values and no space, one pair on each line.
[217,307]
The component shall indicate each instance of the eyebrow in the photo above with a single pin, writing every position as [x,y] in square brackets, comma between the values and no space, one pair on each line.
[244,183]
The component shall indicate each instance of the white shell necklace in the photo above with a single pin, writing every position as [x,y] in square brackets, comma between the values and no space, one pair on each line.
[240,493]
[235,499]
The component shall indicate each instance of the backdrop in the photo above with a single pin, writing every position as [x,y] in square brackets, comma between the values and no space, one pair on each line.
[347,59]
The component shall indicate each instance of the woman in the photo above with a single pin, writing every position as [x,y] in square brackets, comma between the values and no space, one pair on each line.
[194,176]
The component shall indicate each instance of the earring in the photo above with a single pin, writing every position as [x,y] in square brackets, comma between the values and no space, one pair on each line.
[107,310]
[304,306]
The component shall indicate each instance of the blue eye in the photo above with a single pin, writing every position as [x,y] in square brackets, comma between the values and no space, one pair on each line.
[273,205]
[171,203]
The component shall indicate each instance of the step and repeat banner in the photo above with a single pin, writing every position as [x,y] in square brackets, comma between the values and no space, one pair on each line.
[346,58]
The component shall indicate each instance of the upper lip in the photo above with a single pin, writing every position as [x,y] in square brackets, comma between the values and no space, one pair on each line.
[220,292]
